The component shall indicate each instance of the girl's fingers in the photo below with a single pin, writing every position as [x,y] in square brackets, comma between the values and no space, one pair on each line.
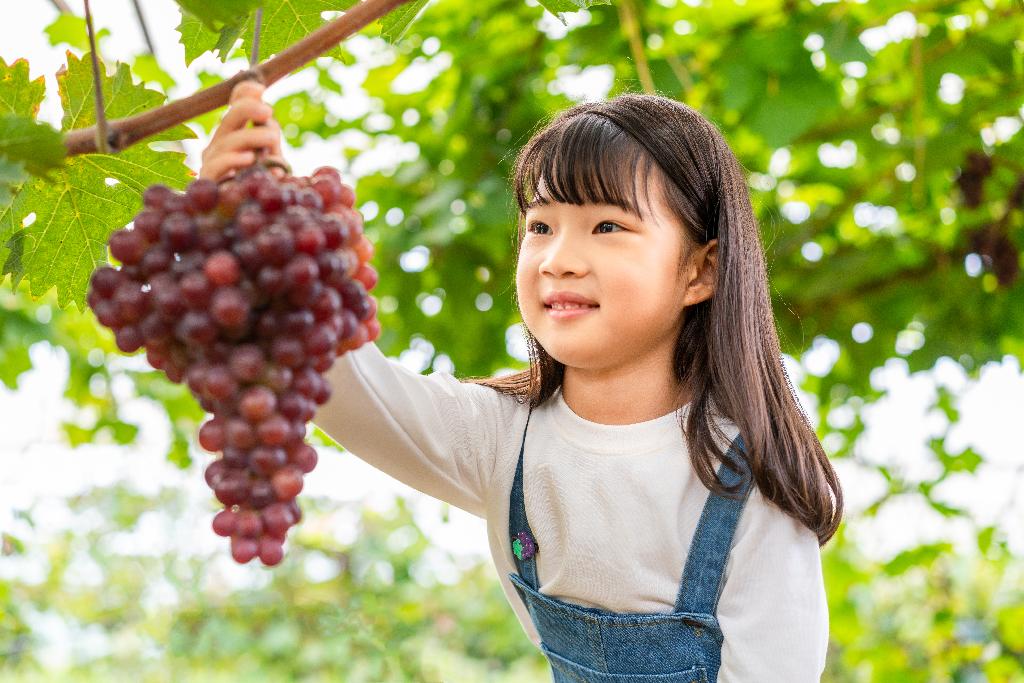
[275,128]
[248,139]
[246,89]
[241,113]
[224,163]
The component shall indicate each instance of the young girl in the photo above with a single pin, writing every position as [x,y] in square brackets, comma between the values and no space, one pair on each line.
[655,497]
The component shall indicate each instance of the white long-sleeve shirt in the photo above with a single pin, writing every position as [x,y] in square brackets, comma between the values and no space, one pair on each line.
[586,483]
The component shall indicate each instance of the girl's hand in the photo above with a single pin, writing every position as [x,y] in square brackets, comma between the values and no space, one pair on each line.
[233,145]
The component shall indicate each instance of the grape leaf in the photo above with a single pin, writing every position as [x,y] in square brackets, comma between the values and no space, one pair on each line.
[558,6]
[284,23]
[18,95]
[197,39]
[395,23]
[121,95]
[69,29]
[36,146]
[91,195]
[21,97]
[12,175]
[214,15]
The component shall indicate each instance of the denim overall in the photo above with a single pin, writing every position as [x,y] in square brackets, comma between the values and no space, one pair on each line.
[589,645]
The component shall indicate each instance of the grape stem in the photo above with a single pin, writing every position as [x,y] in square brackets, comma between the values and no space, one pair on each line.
[101,134]
[128,131]
[254,57]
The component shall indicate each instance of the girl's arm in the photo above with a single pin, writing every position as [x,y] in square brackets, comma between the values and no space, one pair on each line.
[773,610]
[433,433]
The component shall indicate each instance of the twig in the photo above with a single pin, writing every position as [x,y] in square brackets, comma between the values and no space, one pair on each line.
[61,6]
[102,135]
[254,57]
[145,29]
[128,131]
[627,15]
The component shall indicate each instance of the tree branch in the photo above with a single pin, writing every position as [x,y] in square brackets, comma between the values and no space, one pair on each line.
[61,6]
[128,131]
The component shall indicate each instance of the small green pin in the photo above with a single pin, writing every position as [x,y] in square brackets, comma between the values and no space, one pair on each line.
[517,548]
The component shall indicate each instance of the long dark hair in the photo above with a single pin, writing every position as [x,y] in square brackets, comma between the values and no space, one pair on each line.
[727,352]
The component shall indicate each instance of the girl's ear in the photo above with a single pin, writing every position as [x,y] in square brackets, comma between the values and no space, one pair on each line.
[701,273]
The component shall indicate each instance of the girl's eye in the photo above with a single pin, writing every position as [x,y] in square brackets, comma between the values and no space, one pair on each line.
[536,226]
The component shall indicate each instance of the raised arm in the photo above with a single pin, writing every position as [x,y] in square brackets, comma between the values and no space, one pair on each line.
[432,432]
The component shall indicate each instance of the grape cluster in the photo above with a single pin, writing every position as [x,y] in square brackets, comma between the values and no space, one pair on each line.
[977,166]
[247,291]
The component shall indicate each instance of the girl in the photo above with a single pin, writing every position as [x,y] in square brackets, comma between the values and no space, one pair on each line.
[659,518]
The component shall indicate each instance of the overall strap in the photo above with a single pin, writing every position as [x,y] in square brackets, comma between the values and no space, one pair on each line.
[524,545]
[703,575]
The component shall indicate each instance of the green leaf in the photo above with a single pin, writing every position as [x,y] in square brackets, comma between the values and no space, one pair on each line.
[91,195]
[149,70]
[395,23]
[121,96]
[197,39]
[214,15]
[19,95]
[69,29]
[284,23]
[923,555]
[12,175]
[121,433]
[558,6]
[36,146]
[14,360]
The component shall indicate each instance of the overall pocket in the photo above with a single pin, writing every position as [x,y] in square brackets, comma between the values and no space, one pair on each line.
[566,670]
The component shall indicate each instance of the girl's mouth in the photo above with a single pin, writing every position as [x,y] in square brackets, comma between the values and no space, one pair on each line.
[568,311]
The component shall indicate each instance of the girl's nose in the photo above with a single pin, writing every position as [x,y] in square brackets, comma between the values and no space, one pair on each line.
[561,257]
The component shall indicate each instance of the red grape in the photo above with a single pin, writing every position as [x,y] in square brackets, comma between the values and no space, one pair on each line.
[246,290]
[221,268]
[287,483]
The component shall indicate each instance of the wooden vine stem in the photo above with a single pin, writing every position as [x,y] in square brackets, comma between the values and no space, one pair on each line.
[126,132]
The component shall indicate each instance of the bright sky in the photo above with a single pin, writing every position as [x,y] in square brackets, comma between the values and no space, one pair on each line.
[37,471]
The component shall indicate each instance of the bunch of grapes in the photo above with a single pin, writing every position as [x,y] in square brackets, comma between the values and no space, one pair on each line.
[971,179]
[247,291]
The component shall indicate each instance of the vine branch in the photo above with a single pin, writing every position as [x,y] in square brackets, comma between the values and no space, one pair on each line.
[61,6]
[128,131]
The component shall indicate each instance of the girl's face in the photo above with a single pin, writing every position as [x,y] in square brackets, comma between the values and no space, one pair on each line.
[629,266]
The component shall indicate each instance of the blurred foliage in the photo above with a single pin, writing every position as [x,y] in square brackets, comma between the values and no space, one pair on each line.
[888,183]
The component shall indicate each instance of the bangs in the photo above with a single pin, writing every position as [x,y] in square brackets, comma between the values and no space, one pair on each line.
[585,160]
